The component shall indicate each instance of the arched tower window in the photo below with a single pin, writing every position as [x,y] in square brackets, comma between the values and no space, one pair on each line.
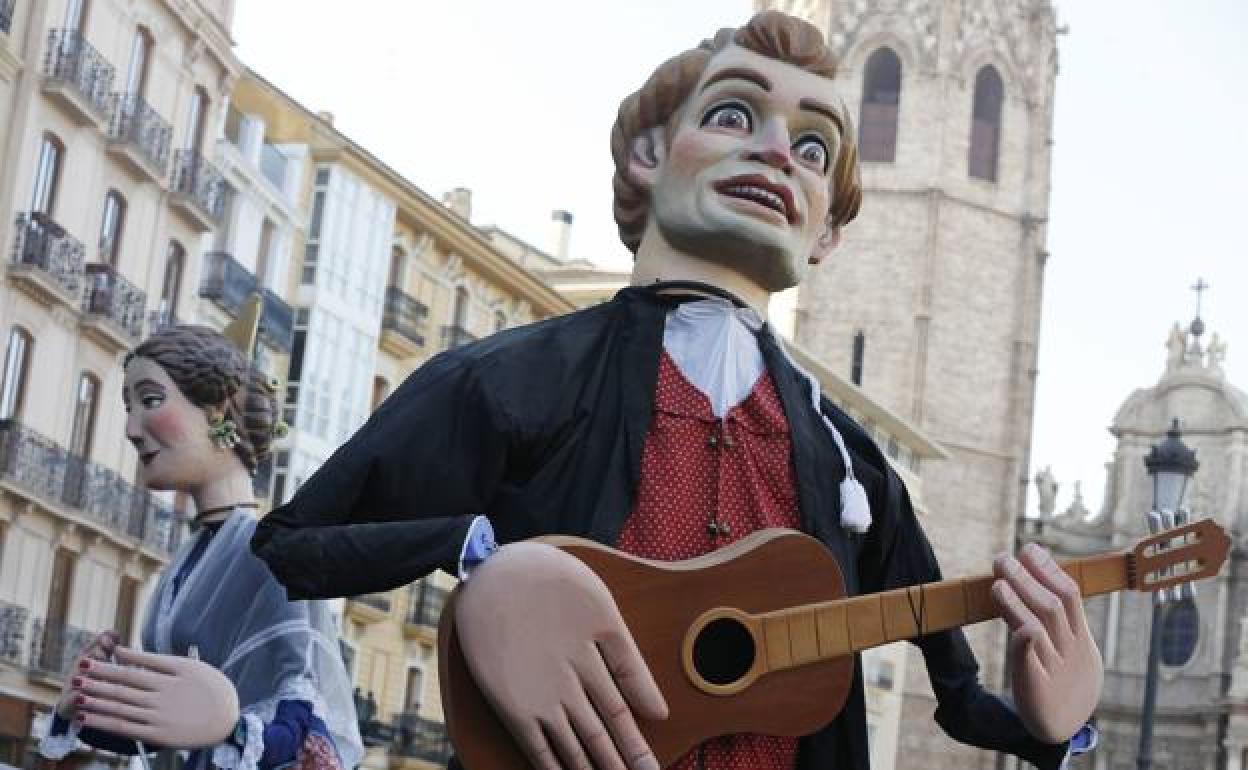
[860,349]
[986,124]
[881,97]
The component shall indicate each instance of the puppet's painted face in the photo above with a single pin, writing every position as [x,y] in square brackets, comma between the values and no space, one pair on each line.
[169,432]
[745,176]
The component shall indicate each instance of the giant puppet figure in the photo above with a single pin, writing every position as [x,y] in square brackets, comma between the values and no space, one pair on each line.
[668,422]
[230,667]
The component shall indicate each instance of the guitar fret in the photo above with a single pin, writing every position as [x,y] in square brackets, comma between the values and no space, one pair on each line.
[803,637]
[776,633]
[866,622]
[832,629]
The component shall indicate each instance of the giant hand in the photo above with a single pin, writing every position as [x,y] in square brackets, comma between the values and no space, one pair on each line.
[549,650]
[165,700]
[1056,665]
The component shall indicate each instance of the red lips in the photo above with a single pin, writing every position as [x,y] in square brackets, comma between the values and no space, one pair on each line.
[732,187]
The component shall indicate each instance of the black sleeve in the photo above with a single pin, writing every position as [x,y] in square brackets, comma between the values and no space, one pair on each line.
[896,553]
[394,502]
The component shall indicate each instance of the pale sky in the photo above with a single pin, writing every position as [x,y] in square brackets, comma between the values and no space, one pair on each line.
[516,101]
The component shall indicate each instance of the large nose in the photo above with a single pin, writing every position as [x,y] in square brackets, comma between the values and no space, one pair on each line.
[134,429]
[772,145]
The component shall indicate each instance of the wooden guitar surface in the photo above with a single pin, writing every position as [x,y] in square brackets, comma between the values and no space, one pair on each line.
[768,570]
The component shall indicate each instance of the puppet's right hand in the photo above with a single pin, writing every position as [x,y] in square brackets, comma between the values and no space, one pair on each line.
[101,648]
[550,651]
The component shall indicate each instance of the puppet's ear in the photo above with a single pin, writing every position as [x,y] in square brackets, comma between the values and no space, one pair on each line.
[646,154]
[828,240]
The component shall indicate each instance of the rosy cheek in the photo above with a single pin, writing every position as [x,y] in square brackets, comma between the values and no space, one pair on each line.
[167,427]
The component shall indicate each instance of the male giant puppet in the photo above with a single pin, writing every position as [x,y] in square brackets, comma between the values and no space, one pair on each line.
[669,422]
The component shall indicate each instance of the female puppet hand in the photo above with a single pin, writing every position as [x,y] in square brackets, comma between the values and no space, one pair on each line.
[101,649]
[165,700]
[1056,665]
[549,650]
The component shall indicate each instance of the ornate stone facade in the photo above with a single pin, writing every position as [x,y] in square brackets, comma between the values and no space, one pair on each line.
[1202,697]
[942,273]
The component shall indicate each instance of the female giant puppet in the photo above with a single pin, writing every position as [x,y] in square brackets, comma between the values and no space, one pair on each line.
[668,422]
[269,686]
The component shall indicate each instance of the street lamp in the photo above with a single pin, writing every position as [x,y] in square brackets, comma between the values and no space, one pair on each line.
[1171,464]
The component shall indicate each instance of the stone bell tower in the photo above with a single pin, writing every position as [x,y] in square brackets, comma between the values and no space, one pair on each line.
[932,303]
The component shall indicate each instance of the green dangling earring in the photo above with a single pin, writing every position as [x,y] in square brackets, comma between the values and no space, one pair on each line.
[223,432]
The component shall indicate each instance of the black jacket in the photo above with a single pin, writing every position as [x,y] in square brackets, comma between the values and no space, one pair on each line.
[541,428]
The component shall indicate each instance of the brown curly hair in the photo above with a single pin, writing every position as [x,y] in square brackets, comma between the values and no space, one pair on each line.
[210,371]
[769,33]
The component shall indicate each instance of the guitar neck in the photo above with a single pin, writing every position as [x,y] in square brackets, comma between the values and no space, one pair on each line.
[826,630]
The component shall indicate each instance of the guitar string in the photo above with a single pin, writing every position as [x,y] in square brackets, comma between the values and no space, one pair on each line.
[920,612]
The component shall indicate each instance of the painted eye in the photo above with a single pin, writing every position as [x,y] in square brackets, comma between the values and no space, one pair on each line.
[151,402]
[731,116]
[813,152]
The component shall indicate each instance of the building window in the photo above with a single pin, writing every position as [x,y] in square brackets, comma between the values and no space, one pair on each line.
[76,15]
[140,53]
[860,347]
[398,267]
[1180,630]
[195,119]
[127,599]
[111,227]
[264,254]
[381,389]
[986,124]
[16,364]
[311,251]
[881,99]
[459,311]
[85,398]
[47,175]
[175,259]
[415,689]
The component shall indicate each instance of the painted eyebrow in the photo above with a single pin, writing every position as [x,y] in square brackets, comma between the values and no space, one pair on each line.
[822,109]
[152,383]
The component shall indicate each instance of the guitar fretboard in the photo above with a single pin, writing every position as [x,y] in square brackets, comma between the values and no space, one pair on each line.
[825,630]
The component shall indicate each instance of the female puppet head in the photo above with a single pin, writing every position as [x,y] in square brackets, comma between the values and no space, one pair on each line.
[659,103]
[197,409]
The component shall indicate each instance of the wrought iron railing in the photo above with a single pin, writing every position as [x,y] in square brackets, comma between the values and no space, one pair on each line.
[111,296]
[13,622]
[42,243]
[421,738]
[427,601]
[73,61]
[200,182]
[404,315]
[454,336]
[226,282]
[277,321]
[161,318]
[54,646]
[48,472]
[6,15]
[138,125]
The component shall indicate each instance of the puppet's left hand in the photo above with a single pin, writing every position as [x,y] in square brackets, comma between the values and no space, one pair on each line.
[1056,665]
[166,700]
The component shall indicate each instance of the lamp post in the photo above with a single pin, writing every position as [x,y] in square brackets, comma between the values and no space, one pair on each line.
[1171,464]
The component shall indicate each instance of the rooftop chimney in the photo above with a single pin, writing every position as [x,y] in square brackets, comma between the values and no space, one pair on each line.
[459,201]
[326,117]
[561,228]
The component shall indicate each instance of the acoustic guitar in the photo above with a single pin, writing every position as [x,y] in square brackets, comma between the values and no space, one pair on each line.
[759,637]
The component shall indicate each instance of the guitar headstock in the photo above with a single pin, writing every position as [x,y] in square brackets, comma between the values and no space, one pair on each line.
[1178,555]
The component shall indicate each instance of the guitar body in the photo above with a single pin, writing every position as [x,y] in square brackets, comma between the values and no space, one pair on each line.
[660,601]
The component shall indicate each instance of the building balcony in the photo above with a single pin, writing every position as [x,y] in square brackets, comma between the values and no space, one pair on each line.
[6,15]
[369,608]
[53,648]
[46,261]
[139,138]
[77,78]
[421,739]
[424,610]
[453,336]
[198,190]
[13,625]
[112,308]
[41,471]
[277,322]
[402,323]
[226,282]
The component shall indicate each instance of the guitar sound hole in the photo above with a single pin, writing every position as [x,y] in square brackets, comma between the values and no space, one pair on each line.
[723,651]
